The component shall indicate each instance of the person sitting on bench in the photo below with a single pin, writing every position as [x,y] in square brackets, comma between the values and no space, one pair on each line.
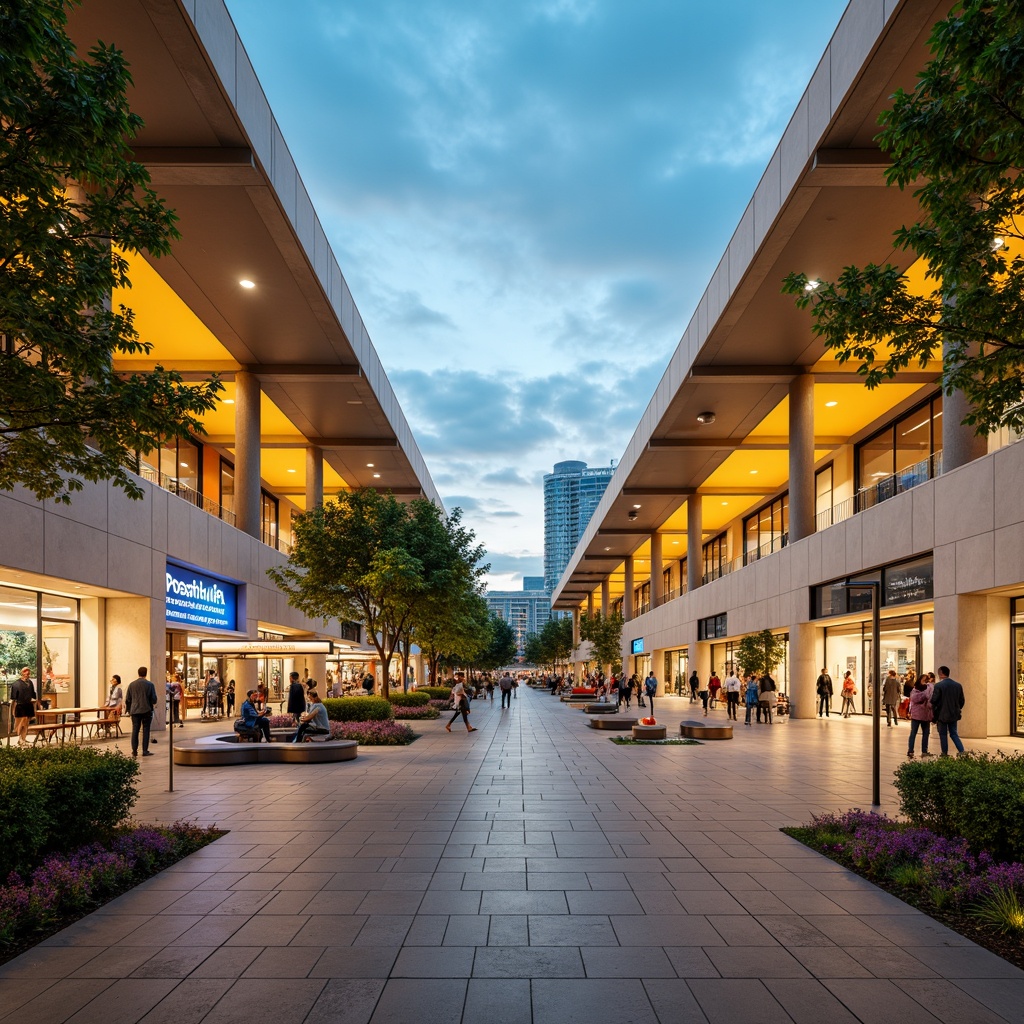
[314,721]
[253,720]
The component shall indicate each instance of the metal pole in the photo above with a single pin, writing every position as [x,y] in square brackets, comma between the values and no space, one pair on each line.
[170,741]
[876,708]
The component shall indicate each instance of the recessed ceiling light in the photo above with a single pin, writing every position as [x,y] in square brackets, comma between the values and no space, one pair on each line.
[998,243]
[291,470]
[354,401]
[246,283]
[725,503]
[376,476]
[812,286]
[831,405]
[369,465]
[753,472]
[184,465]
[705,417]
[637,506]
[675,542]
[229,401]
[607,549]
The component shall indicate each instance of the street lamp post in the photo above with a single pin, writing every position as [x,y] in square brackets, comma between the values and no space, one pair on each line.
[876,670]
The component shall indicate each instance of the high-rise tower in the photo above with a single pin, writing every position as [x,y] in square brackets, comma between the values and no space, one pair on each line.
[571,494]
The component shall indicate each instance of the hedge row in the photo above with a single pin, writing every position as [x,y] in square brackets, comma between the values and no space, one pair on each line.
[414,699]
[979,797]
[359,709]
[436,692]
[58,798]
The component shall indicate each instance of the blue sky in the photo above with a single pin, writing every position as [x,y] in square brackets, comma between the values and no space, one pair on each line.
[528,200]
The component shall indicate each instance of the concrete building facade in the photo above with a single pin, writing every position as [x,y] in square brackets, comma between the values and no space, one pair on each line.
[764,478]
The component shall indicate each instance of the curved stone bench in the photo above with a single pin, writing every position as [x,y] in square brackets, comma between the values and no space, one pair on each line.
[616,722]
[649,732]
[702,731]
[600,709]
[224,749]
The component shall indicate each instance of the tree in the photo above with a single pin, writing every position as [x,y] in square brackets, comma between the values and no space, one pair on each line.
[552,645]
[74,203]
[957,140]
[533,650]
[502,647]
[605,635]
[760,652]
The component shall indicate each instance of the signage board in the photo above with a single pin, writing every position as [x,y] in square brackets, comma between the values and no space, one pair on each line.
[909,582]
[264,648]
[198,601]
[638,645]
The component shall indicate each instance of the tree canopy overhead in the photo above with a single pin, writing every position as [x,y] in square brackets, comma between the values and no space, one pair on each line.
[958,140]
[73,201]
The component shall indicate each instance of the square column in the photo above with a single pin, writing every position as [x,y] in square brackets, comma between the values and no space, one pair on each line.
[657,579]
[247,453]
[314,477]
[627,597]
[961,643]
[801,457]
[694,542]
[605,599]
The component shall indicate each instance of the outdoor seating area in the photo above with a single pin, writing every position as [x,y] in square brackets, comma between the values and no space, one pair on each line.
[617,723]
[221,749]
[78,724]
[703,731]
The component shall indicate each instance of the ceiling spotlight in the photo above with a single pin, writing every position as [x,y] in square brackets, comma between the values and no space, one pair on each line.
[725,503]
[705,417]
[369,465]
[607,549]
[831,405]
[376,476]
[246,283]
[812,286]
[753,472]
[291,470]
[229,401]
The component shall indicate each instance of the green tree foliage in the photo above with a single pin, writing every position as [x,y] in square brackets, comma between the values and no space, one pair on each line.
[605,635]
[760,652]
[367,557]
[552,646]
[501,647]
[957,140]
[70,194]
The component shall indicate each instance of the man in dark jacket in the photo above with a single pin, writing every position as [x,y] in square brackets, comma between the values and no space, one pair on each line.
[139,701]
[947,704]
[296,697]
[824,690]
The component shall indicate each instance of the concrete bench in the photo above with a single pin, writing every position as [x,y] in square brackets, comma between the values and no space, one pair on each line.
[703,731]
[618,723]
[649,732]
[600,709]
[224,749]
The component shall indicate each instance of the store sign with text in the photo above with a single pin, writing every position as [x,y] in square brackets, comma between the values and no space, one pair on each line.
[198,601]
[638,645]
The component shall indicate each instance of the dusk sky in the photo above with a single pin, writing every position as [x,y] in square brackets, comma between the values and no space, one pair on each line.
[527,200]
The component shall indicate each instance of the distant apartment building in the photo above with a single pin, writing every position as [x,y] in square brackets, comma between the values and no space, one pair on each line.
[524,610]
[571,494]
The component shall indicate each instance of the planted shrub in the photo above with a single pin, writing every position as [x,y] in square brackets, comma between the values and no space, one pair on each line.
[59,798]
[359,709]
[425,712]
[979,797]
[436,692]
[415,699]
[373,734]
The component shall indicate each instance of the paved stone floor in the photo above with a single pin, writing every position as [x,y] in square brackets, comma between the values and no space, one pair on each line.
[530,873]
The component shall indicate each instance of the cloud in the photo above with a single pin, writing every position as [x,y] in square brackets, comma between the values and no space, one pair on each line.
[507,477]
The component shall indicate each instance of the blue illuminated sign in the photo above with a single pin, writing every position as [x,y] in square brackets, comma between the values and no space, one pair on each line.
[638,645]
[200,601]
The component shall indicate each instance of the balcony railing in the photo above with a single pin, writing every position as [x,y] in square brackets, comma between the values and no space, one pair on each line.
[190,494]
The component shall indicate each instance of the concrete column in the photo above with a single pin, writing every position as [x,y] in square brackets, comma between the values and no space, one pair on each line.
[694,542]
[804,666]
[627,597]
[961,643]
[801,457]
[606,606]
[657,579]
[590,603]
[575,628]
[960,444]
[314,477]
[700,660]
[247,453]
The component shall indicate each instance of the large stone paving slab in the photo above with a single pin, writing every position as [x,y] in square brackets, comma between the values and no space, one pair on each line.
[530,872]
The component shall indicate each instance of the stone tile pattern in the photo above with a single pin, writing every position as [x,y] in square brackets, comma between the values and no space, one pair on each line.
[532,872]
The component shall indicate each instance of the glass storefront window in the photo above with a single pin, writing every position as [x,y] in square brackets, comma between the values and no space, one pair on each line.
[268,519]
[49,649]
[227,486]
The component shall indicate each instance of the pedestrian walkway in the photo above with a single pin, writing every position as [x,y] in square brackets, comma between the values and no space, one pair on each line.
[532,872]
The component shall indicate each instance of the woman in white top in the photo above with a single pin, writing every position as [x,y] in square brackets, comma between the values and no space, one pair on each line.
[116,699]
[461,706]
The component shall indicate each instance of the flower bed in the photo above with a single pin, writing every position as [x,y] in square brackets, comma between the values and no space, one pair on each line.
[425,712]
[65,887]
[971,893]
[373,734]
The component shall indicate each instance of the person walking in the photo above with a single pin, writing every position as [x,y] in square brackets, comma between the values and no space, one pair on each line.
[626,691]
[505,685]
[296,697]
[732,694]
[824,690]
[920,714]
[139,702]
[703,693]
[766,698]
[462,704]
[849,691]
[23,697]
[638,687]
[651,688]
[892,694]
[751,696]
[714,688]
[695,687]
[947,702]
[231,697]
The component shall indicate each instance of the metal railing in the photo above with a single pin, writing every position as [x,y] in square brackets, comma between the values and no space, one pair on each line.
[190,494]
